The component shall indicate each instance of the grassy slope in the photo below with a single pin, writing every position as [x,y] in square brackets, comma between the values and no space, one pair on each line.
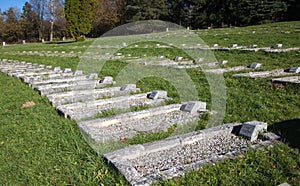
[45,149]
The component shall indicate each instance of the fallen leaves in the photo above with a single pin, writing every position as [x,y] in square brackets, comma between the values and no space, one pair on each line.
[28,104]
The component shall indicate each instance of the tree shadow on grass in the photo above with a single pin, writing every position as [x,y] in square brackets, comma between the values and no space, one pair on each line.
[61,42]
[290,130]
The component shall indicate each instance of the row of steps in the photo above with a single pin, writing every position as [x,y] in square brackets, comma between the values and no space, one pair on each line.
[86,99]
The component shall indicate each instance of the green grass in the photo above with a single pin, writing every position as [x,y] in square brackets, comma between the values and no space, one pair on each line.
[38,147]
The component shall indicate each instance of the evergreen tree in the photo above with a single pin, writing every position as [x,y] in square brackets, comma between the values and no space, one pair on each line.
[29,23]
[12,28]
[79,14]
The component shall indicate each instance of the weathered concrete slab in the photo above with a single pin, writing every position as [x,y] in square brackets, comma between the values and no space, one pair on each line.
[63,87]
[285,80]
[89,109]
[38,83]
[264,74]
[62,98]
[172,157]
[130,124]
[223,70]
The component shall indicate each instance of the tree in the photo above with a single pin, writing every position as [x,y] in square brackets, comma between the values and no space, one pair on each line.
[107,15]
[29,23]
[79,14]
[12,29]
[146,10]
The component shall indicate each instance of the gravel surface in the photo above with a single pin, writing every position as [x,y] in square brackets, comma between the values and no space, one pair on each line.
[155,162]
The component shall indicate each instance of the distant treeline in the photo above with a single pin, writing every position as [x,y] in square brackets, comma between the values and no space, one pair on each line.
[33,22]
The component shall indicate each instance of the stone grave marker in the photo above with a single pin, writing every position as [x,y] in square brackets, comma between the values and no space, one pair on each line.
[222,62]
[193,107]
[3,44]
[56,69]
[107,80]
[128,87]
[78,73]
[124,44]
[255,65]
[233,45]
[92,76]
[278,45]
[253,46]
[294,70]
[199,59]
[214,45]
[160,57]
[158,94]
[251,129]
[178,58]
[67,70]
[24,42]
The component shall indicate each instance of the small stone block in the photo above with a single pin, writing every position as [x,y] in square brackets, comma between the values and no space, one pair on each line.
[253,46]
[193,107]
[92,76]
[178,58]
[214,45]
[197,60]
[233,45]
[78,73]
[67,70]
[294,70]
[128,87]
[251,129]
[124,44]
[278,45]
[223,62]
[56,69]
[255,65]
[158,94]
[107,80]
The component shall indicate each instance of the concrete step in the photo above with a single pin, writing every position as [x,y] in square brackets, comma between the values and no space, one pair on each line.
[63,87]
[171,157]
[128,125]
[62,98]
[89,109]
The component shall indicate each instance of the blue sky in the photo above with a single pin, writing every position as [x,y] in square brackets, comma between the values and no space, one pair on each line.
[6,4]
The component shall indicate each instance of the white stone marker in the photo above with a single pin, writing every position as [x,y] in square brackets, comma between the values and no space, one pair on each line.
[255,65]
[214,45]
[24,42]
[178,58]
[193,107]
[199,59]
[3,44]
[294,70]
[251,129]
[222,62]
[67,70]
[158,94]
[234,45]
[128,87]
[107,80]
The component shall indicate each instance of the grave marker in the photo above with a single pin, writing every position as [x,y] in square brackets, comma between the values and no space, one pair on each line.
[158,94]
[199,59]
[107,80]
[3,44]
[92,76]
[178,58]
[193,107]
[222,62]
[128,87]
[56,69]
[67,70]
[251,129]
[234,45]
[294,70]
[255,65]
[214,45]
